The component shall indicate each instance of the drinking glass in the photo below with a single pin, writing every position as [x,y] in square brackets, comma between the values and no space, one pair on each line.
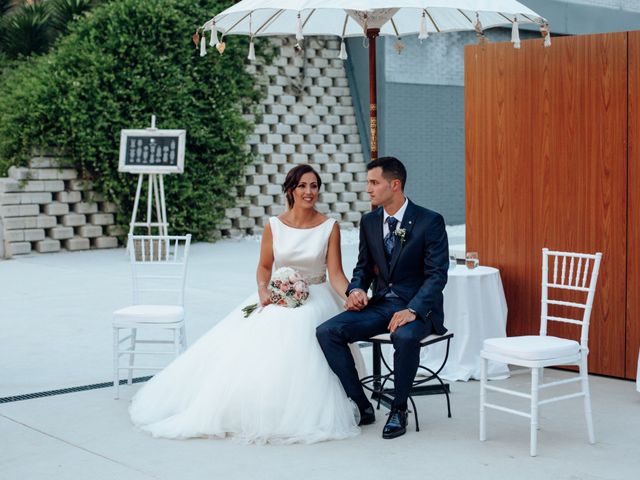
[472,260]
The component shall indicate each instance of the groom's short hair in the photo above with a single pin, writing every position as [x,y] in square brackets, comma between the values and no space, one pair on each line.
[392,169]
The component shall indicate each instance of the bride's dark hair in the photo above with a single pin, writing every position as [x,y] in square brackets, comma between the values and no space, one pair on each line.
[293,179]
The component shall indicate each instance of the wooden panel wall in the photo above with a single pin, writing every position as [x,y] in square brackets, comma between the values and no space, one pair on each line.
[546,139]
[498,171]
[633,196]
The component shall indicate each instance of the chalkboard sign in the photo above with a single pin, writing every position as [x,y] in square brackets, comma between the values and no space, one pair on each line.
[152,151]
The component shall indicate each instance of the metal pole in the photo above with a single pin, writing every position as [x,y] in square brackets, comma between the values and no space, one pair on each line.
[377,370]
[372,34]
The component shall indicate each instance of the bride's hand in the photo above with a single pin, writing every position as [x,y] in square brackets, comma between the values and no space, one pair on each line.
[265,296]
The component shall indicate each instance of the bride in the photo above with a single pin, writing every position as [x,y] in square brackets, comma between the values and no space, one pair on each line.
[264,378]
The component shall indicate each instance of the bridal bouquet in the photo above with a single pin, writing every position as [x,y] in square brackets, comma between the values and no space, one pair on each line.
[288,289]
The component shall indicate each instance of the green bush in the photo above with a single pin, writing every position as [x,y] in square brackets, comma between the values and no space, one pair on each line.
[121,63]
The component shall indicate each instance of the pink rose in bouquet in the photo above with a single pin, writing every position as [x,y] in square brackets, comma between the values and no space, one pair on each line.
[288,289]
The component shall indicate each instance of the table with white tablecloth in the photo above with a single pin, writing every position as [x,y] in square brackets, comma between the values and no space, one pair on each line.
[475,308]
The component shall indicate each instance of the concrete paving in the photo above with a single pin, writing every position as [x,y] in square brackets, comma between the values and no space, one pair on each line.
[55,319]
[88,435]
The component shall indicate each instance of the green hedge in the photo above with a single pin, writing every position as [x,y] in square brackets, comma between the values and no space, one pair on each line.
[126,60]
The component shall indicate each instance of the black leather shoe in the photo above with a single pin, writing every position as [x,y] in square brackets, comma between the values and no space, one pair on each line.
[396,424]
[367,416]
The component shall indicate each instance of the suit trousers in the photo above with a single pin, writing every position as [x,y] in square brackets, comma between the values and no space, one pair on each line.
[335,334]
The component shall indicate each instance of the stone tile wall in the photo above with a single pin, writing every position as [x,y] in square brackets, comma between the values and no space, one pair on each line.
[306,117]
[45,208]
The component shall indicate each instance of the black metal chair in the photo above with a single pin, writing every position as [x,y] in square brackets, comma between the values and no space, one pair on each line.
[376,383]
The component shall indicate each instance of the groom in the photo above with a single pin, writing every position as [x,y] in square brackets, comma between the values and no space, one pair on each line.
[404,252]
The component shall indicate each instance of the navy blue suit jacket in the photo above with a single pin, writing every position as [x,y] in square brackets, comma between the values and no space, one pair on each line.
[417,271]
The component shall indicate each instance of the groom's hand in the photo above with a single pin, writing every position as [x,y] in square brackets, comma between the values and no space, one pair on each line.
[356,300]
[401,318]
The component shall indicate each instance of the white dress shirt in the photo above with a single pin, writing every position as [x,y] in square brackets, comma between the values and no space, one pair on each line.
[398,216]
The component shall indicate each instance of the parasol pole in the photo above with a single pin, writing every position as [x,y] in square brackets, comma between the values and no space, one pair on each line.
[372,34]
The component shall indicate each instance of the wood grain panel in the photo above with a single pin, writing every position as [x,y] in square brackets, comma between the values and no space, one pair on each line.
[633,209]
[498,164]
[581,198]
[546,134]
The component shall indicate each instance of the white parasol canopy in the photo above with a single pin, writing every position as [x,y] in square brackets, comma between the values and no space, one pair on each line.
[368,18]
[393,17]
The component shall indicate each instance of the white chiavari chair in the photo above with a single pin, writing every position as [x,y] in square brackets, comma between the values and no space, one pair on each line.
[574,272]
[158,267]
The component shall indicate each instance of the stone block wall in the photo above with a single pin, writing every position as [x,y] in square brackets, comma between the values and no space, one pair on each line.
[45,208]
[307,117]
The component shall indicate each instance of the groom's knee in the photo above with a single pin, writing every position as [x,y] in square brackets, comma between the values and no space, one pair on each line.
[324,332]
[328,331]
[405,338]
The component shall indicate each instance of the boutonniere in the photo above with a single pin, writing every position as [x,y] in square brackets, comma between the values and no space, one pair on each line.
[401,233]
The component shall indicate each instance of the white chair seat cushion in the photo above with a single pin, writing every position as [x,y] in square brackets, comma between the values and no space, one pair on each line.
[532,347]
[149,314]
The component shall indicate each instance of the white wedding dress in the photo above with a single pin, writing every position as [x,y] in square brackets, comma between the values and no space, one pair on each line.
[263,378]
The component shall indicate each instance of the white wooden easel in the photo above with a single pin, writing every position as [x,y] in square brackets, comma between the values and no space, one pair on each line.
[155,194]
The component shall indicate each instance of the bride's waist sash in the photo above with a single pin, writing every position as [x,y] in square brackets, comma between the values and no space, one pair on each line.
[316,279]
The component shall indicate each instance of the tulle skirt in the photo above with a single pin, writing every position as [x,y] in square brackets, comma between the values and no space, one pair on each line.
[262,379]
